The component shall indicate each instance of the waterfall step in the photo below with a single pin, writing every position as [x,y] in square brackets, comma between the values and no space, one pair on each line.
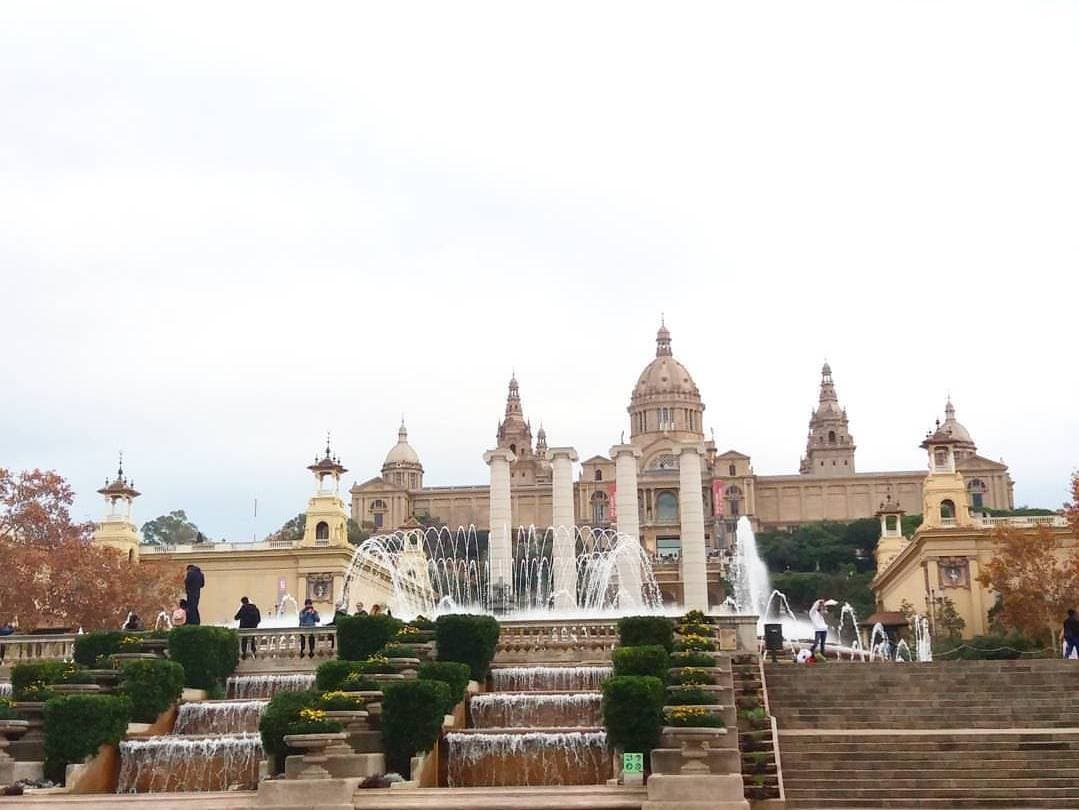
[554,797]
[229,800]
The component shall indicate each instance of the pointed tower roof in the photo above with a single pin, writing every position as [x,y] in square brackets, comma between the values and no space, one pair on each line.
[953,425]
[663,339]
[120,486]
[329,462]
[828,402]
[402,452]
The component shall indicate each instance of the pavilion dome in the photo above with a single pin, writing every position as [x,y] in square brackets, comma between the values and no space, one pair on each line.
[402,452]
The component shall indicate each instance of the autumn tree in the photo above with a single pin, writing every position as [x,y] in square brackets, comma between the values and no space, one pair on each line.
[1035,584]
[55,576]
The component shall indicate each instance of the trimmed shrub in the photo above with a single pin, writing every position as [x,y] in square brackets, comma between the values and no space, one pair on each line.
[421,622]
[646,631]
[7,711]
[152,685]
[360,637]
[691,629]
[335,674]
[651,660]
[692,676]
[285,714]
[359,682]
[697,617]
[690,717]
[339,701]
[91,647]
[31,681]
[411,720]
[467,639]
[451,673]
[397,651]
[208,654]
[77,725]
[692,659]
[633,712]
[695,644]
[691,696]
[410,634]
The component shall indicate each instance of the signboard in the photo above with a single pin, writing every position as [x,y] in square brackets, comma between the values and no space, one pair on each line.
[612,510]
[718,489]
[633,763]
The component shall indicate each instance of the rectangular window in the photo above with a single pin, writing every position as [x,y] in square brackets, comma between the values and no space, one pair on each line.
[668,548]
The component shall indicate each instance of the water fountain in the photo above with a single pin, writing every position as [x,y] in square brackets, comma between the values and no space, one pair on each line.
[749,573]
[879,649]
[536,709]
[923,643]
[548,679]
[174,763]
[163,621]
[431,571]
[219,717]
[253,687]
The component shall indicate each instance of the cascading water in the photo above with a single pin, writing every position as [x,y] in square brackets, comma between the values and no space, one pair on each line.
[251,687]
[173,763]
[923,642]
[219,717]
[535,709]
[749,573]
[530,758]
[5,689]
[429,571]
[548,679]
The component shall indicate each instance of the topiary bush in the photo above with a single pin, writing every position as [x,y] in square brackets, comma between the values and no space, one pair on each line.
[651,660]
[360,682]
[332,675]
[692,629]
[339,701]
[691,676]
[691,696]
[451,673]
[360,637]
[90,647]
[697,617]
[282,714]
[31,681]
[152,685]
[692,659]
[208,654]
[467,639]
[646,631]
[411,720]
[397,651]
[633,712]
[7,711]
[690,717]
[77,725]
[693,643]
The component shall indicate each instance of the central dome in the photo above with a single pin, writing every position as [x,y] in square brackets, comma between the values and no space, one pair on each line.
[665,375]
[665,399]
[402,452]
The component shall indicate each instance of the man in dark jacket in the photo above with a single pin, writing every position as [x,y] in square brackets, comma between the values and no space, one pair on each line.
[193,584]
[249,617]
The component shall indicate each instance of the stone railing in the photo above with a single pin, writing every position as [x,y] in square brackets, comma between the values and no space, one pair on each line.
[1019,521]
[278,649]
[567,640]
[17,649]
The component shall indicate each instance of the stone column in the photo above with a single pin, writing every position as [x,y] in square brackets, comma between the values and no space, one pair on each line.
[500,548]
[691,512]
[563,523]
[628,521]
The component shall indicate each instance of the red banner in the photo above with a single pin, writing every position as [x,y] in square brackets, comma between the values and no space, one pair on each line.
[718,487]
[612,510]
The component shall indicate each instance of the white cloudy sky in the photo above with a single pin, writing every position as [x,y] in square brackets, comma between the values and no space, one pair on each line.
[226,228]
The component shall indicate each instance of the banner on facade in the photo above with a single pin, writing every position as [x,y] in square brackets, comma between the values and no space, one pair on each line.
[717,498]
[612,509]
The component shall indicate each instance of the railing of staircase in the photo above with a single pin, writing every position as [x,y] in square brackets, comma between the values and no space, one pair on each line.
[775,729]
[19,649]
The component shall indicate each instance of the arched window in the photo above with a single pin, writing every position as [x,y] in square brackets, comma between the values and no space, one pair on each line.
[599,475]
[322,531]
[731,470]
[599,508]
[977,489]
[940,458]
[513,449]
[666,507]
[734,501]
[831,437]
[947,510]
[891,522]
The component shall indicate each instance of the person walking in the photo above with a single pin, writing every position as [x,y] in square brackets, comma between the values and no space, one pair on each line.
[820,626]
[194,582]
[179,615]
[308,618]
[249,618]
[1069,634]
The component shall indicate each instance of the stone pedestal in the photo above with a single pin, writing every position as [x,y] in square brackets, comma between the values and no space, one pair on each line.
[564,523]
[31,747]
[691,511]
[627,519]
[303,794]
[500,548]
[703,792]
[316,747]
[9,730]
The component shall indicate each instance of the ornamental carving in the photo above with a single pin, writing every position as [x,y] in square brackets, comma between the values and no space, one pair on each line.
[953,572]
[320,587]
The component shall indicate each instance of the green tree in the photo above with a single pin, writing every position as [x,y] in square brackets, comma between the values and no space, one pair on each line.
[171,529]
[356,533]
[292,529]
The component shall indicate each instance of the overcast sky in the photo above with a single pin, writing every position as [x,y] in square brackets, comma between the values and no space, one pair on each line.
[226,228]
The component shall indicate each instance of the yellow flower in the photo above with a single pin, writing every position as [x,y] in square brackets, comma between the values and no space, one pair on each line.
[312,715]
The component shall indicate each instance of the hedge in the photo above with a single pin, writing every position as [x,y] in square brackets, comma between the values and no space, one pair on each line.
[77,725]
[451,673]
[467,639]
[152,685]
[208,654]
[645,631]
[633,712]
[285,715]
[691,696]
[332,675]
[30,681]
[412,714]
[397,651]
[650,660]
[692,659]
[90,647]
[360,637]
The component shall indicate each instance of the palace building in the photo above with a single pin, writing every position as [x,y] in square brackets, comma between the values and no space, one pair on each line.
[666,411]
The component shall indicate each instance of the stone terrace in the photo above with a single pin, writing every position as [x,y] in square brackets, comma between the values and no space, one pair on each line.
[942,734]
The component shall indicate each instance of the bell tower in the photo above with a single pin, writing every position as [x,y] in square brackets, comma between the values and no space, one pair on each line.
[944,493]
[327,520]
[892,541]
[117,529]
[830,447]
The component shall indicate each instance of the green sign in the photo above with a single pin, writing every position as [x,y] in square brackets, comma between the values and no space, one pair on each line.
[633,763]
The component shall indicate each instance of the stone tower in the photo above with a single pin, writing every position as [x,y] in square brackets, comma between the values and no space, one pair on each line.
[117,529]
[944,492]
[830,447]
[515,434]
[327,520]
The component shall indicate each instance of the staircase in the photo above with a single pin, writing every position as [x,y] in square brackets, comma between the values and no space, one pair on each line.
[935,735]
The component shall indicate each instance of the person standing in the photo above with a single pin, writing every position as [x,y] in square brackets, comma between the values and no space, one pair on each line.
[820,626]
[193,584]
[308,618]
[249,617]
[1069,634]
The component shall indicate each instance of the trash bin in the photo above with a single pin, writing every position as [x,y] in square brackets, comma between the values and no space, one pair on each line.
[773,639]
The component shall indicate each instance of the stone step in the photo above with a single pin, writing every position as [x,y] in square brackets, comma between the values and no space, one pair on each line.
[914,723]
[972,784]
[797,802]
[979,771]
[601,797]
[914,796]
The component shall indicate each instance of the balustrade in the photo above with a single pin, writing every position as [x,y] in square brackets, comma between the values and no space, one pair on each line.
[17,649]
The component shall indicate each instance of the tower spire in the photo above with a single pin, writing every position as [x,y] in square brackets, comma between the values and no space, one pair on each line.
[663,339]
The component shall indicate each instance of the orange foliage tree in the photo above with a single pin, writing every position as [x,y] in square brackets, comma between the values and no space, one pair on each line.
[52,575]
[1036,582]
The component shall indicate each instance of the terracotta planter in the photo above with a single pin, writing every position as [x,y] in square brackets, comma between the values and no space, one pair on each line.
[315,747]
